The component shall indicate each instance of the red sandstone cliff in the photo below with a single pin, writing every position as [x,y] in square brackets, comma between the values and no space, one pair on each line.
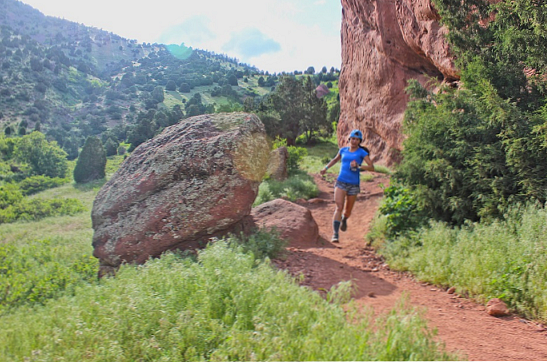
[384,44]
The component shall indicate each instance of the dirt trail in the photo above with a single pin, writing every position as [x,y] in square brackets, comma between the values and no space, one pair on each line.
[463,325]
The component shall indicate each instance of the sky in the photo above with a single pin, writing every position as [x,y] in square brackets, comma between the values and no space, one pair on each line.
[273,35]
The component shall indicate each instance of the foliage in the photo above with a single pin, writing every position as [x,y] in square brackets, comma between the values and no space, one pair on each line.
[504,259]
[401,210]
[111,147]
[470,153]
[293,109]
[262,244]
[299,185]
[14,206]
[9,194]
[34,184]
[36,271]
[91,162]
[43,157]
[296,154]
[27,209]
[225,306]
[55,78]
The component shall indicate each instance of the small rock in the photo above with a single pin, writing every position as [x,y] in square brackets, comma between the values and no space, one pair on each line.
[451,290]
[497,308]
[375,270]
[371,295]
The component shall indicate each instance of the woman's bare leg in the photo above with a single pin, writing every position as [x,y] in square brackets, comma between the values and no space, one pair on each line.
[339,198]
[350,201]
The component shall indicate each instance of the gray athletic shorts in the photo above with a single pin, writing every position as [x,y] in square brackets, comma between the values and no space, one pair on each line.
[349,188]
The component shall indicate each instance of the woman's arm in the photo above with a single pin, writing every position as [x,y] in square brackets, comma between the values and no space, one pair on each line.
[369,166]
[331,163]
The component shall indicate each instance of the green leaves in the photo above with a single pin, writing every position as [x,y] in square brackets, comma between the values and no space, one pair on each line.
[34,272]
[473,151]
[401,209]
[44,157]
[293,109]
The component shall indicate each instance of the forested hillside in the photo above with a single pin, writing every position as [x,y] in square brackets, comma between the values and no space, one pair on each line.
[71,81]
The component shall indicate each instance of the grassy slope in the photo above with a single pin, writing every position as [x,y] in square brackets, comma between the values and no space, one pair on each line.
[176,309]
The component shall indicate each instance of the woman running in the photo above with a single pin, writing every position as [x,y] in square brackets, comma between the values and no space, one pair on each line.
[347,183]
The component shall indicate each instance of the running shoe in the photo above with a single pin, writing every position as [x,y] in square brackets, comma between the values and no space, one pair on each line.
[344,225]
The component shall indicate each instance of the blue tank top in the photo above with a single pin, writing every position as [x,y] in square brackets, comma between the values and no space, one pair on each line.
[346,174]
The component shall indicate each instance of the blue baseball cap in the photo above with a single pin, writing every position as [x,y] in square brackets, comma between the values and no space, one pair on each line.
[357,134]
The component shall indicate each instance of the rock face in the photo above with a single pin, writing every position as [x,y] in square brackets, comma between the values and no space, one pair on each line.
[384,44]
[277,168]
[197,179]
[295,223]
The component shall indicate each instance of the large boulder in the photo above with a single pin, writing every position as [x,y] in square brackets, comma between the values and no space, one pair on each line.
[294,223]
[384,44]
[196,180]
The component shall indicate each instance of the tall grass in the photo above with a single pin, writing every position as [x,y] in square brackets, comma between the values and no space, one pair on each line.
[225,306]
[298,185]
[36,271]
[505,259]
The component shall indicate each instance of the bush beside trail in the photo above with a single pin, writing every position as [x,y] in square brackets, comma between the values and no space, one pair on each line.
[504,259]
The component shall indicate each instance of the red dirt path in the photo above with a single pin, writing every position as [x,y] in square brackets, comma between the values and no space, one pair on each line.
[463,325]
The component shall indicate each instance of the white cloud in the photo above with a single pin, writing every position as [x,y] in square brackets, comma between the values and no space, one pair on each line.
[251,43]
[307,31]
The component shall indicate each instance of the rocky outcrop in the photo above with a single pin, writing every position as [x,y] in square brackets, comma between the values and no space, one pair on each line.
[384,44]
[293,222]
[197,179]
[277,168]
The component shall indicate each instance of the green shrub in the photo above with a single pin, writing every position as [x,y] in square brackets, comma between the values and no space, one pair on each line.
[299,185]
[225,306]
[401,210]
[111,147]
[34,184]
[475,150]
[10,194]
[44,157]
[296,154]
[504,259]
[122,150]
[39,270]
[34,209]
[262,244]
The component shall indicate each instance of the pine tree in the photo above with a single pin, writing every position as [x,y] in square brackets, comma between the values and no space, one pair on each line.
[91,162]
